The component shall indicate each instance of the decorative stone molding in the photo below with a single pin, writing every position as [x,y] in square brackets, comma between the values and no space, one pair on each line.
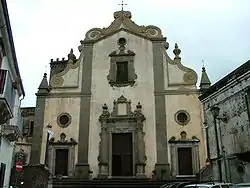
[62,143]
[190,77]
[182,117]
[62,140]
[184,142]
[29,111]
[123,22]
[73,63]
[122,56]
[64,120]
[125,122]
[11,132]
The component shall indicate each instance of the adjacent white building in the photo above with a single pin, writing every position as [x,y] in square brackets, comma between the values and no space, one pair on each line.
[11,94]
[227,116]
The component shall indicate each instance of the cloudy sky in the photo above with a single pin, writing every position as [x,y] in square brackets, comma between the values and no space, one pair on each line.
[216,31]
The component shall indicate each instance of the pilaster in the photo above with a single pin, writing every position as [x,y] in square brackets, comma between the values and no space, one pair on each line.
[162,168]
[82,167]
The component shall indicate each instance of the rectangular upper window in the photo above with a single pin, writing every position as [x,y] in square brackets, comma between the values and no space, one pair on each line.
[31,128]
[122,71]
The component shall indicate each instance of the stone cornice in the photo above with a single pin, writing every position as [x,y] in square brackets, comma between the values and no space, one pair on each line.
[225,81]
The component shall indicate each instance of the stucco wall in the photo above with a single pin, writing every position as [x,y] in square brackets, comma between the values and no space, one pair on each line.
[142,92]
[53,108]
[192,105]
[71,76]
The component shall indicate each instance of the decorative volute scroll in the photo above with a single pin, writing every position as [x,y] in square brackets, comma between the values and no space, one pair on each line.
[190,77]
[62,140]
[121,110]
[123,22]
[183,139]
[60,68]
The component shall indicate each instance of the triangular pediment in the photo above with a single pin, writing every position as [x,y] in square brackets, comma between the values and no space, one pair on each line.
[123,21]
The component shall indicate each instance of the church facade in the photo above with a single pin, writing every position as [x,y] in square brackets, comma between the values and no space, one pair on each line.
[124,108]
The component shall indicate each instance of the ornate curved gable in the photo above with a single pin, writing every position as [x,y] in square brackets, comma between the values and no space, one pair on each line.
[190,77]
[123,22]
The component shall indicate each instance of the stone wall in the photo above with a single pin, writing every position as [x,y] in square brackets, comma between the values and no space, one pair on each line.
[234,133]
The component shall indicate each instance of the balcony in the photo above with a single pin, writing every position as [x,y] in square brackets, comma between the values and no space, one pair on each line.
[7,96]
[13,131]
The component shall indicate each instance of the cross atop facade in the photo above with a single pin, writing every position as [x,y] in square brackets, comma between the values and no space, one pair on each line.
[46,68]
[122,4]
[203,63]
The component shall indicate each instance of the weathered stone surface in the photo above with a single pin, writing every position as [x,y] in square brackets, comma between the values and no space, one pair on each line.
[233,124]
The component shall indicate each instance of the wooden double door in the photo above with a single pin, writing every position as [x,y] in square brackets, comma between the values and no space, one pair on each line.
[122,154]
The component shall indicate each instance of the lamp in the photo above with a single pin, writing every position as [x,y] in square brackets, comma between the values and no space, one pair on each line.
[208,162]
[215,110]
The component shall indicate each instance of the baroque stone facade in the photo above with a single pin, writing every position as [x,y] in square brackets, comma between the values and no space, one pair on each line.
[119,104]
[226,111]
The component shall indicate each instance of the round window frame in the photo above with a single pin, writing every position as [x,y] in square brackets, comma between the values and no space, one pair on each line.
[176,117]
[241,173]
[121,38]
[64,125]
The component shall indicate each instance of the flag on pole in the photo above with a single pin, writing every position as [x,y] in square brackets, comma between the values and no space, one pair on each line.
[49,136]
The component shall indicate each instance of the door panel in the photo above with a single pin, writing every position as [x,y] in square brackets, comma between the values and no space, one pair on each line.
[61,163]
[122,154]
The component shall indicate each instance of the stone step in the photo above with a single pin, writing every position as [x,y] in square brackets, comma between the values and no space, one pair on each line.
[69,183]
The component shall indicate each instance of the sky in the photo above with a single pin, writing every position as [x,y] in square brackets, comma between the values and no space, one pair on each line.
[216,31]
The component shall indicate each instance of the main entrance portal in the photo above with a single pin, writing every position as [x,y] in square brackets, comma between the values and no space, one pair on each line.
[122,146]
[122,154]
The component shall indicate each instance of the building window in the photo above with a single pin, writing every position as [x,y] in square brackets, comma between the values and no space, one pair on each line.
[31,128]
[240,169]
[2,174]
[64,120]
[121,72]
[2,51]
[182,117]
[122,41]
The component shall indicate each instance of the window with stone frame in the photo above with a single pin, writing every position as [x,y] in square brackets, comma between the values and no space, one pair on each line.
[31,128]
[122,71]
